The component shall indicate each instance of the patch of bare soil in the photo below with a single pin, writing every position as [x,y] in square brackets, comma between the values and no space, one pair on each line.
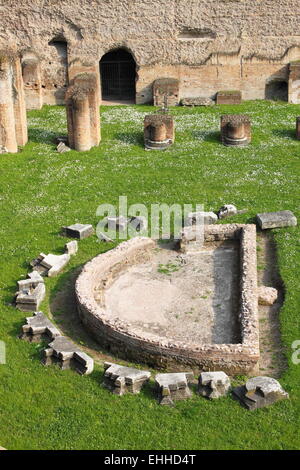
[272,361]
[191,297]
[63,310]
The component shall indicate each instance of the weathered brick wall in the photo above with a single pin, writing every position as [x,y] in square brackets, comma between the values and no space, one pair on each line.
[209,45]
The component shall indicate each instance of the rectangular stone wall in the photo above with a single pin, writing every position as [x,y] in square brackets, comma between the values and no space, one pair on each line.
[210,46]
[206,80]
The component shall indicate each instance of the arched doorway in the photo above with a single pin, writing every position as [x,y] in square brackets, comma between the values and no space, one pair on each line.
[277,90]
[118,76]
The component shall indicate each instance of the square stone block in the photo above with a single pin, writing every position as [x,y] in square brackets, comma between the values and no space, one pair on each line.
[229,97]
[276,219]
[120,379]
[172,387]
[78,231]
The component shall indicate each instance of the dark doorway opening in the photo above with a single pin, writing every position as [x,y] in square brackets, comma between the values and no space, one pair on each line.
[277,90]
[118,76]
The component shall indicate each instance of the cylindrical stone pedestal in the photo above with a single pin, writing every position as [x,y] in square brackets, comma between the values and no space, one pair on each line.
[158,133]
[235,129]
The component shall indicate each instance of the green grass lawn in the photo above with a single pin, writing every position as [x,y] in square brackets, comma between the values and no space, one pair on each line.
[41,190]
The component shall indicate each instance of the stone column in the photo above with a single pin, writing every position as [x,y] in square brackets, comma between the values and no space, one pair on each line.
[8,140]
[82,101]
[19,104]
[32,82]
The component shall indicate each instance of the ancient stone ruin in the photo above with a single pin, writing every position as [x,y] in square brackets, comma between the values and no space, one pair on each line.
[79,231]
[259,392]
[172,387]
[13,121]
[31,70]
[267,295]
[120,303]
[159,131]
[229,97]
[31,293]
[293,82]
[213,384]
[39,328]
[197,101]
[121,380]
[82,103]
[168,42]
[235,130]
[67,355]
[268,220]
[166,87]
[50,265]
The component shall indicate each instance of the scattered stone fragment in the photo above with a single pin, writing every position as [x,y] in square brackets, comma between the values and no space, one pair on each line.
[276,219]
[3,149]
[139,223]
[50,265]
[197,101]
[31,293]
[267,295]
[172,387]
[32,281]
[229,97]
[36,264]
[206,218]
[37,328]
[259,392]
[68,356]
[71,248]
[62,138]
[226,211]
[35,277]
[78,231]
[104,237]
[62,148]
[120,380]
[213,384]
[118,223]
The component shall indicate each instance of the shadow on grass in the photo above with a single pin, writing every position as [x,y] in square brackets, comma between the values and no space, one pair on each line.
[10,294]
[251,220]
[43,136]
[63,308]
[207,136]
[131,138]
[285,133]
